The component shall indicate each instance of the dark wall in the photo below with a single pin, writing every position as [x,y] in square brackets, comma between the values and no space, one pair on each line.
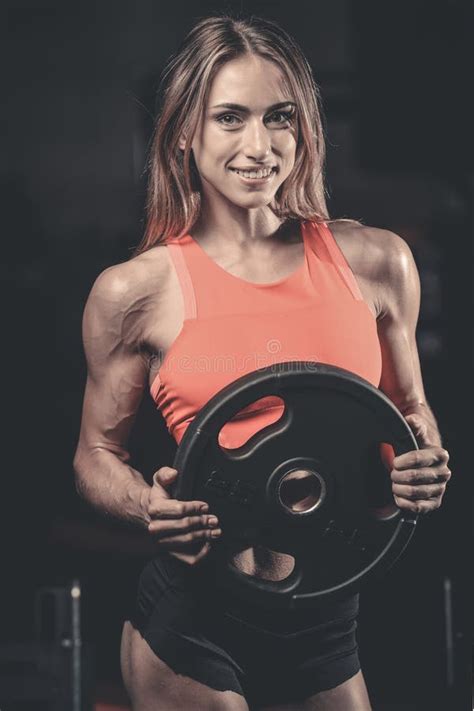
[79,93]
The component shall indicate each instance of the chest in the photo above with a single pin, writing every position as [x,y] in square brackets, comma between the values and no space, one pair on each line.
[292,332]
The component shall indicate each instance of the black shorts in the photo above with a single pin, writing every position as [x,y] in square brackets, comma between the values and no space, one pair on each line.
[269,656]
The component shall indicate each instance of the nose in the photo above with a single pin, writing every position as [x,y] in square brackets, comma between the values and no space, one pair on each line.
[257,140]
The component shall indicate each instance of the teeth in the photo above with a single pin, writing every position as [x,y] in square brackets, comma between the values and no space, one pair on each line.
[254,173]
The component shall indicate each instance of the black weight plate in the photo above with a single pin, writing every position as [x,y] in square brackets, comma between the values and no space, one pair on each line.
[332,425]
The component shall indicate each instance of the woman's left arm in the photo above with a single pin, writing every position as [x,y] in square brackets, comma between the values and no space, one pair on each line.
[419,477]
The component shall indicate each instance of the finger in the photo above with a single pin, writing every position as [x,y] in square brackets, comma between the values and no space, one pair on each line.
[415,493]
[421,458]
[202,553]
[419,428]
[173,508]
[165,476]
[193,559]
[186,539]
[418,507]
[431,475]
[181,525]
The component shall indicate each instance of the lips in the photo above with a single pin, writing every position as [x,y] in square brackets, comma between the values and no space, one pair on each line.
[255,167]
[272,168]
[240,172]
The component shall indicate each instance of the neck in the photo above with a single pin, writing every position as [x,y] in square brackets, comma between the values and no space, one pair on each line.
[238,226]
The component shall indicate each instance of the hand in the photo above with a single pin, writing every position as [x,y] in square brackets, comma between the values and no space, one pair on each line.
[184,528]
[419,477]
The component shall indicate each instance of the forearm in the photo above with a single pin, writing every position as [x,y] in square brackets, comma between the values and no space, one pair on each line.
[112,486]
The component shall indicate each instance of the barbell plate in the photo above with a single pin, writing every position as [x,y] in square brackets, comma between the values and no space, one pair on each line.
[331,427]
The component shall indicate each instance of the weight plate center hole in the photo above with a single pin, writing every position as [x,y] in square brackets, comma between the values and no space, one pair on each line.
[301,491]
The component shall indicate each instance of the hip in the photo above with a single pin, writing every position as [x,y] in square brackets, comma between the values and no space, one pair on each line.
[171,588]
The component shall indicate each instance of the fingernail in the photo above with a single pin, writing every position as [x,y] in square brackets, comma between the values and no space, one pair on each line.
[204,507]
[216,533]
[212,521]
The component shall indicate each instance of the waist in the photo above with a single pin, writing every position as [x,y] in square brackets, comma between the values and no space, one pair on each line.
[332,616]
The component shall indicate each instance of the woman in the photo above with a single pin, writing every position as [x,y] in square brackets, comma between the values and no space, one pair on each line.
[240,265]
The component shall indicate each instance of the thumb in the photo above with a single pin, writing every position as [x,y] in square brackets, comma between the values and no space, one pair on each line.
[164,477]
[419,428]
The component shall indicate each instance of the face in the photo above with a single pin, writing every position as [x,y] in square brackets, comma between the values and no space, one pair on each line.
[259,136]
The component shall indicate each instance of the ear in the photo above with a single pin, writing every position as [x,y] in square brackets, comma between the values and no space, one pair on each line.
[182,142]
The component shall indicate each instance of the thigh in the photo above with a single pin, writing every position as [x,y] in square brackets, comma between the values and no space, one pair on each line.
[152,684]
[298,655]
[351,695]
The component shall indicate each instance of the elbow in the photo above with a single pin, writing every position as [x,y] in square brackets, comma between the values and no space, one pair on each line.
[79,473]
[80,488]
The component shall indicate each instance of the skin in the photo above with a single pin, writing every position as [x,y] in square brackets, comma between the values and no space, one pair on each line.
[134,313]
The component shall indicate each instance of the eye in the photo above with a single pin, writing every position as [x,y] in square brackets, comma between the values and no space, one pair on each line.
[282,118]
[286,115]
[220,119]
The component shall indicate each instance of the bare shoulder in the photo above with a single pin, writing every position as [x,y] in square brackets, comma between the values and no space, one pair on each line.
[124,293]
[136,277]
[371,248]
[381,259]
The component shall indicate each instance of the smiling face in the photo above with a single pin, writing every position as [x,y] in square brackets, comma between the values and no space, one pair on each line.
[257,133]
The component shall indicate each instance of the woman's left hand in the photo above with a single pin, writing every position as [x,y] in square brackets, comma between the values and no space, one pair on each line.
[419,477]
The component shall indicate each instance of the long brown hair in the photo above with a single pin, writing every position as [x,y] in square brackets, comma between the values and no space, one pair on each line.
[174,197]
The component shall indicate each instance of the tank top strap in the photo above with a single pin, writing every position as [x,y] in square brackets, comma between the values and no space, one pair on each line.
[184,278]
[337,257]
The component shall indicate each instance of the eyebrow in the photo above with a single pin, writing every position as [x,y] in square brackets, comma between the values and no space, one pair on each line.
[246,110]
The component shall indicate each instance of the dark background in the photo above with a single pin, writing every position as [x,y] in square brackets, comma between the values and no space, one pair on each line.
[79,91]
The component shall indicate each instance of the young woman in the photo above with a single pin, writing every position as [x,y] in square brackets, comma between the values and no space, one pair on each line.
[240,265]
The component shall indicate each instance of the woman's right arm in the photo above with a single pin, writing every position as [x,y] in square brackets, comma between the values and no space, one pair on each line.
[116,378]
[117,373]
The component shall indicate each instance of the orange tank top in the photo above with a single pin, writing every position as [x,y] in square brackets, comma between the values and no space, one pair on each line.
[232,327]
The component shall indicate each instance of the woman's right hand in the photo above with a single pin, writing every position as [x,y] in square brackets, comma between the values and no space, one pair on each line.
[183,528]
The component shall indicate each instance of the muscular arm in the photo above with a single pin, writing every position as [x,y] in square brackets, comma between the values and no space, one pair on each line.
[117,373]
[399,309]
